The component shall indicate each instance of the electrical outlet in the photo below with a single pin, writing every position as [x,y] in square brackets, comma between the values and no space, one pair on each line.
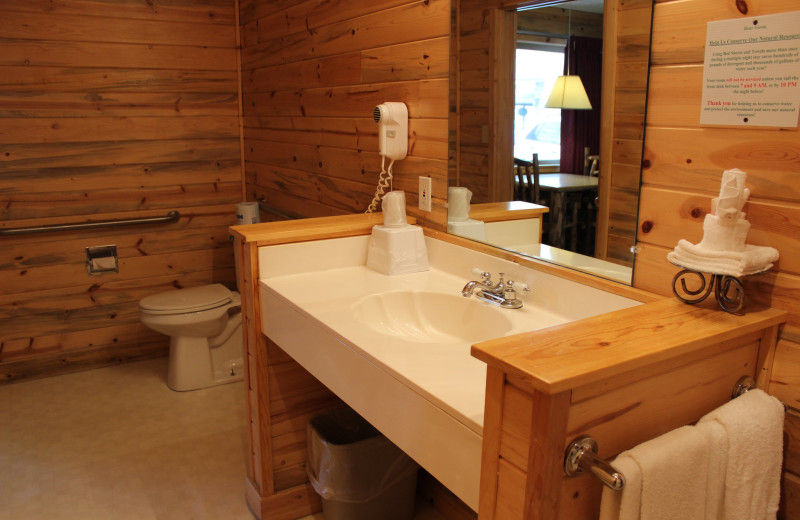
[425,193]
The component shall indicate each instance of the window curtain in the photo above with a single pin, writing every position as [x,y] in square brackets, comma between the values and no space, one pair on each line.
[581,128]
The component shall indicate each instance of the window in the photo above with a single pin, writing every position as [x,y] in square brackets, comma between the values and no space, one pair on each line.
[537,129]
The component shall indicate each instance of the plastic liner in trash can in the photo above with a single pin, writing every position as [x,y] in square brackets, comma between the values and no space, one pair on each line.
[358,472]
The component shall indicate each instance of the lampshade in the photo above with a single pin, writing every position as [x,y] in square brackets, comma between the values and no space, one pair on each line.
[568,92]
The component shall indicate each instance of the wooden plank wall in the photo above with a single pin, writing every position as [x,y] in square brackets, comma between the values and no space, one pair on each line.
[684,165]
[312,73]
[471,117]
[618,208]
[111,109]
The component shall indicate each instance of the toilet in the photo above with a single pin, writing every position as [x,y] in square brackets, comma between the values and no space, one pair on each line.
[205,328]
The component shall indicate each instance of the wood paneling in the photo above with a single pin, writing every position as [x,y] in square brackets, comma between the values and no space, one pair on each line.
[111,110]
[683,168]
[311,76]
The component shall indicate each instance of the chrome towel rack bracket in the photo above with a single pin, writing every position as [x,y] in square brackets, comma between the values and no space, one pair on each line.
[581,456]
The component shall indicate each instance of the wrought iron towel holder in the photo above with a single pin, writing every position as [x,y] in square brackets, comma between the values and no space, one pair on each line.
[172,216]
[581,454]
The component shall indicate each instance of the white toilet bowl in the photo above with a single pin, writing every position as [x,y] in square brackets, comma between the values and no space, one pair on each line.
[205,328]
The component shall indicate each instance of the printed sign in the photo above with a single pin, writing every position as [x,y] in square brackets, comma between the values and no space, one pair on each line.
[752,71]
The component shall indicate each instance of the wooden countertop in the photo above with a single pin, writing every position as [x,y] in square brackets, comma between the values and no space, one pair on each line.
[501,211]
[566,356]
[587,351]
[270,233]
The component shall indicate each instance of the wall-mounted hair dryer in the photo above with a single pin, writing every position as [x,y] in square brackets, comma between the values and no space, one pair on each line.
[392,118]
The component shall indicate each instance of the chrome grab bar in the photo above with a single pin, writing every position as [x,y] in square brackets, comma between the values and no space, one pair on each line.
[172,216]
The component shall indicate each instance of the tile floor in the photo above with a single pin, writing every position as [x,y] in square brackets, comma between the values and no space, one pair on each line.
[116,443]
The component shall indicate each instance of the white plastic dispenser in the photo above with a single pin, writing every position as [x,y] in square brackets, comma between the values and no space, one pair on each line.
[458,221]
[396,247]
[392,119]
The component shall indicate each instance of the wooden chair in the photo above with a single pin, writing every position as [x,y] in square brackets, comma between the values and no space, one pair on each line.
[526,177]
[591,163]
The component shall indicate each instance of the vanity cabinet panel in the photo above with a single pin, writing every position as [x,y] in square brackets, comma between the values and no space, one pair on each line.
[689,367]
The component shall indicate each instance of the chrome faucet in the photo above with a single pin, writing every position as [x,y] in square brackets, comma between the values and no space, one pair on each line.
[503,294]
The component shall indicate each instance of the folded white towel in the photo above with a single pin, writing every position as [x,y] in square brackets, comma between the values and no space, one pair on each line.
[720,234]
[753,423]
[754,259]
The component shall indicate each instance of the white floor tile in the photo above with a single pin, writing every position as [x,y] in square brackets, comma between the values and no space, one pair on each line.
[117,443]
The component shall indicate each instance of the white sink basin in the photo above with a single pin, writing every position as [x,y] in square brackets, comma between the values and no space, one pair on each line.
[397,348]
[428,317]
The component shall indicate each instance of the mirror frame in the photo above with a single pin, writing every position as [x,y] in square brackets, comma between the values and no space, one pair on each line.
[502,28]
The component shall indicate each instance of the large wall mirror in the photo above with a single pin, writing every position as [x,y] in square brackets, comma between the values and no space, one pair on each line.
[515,150]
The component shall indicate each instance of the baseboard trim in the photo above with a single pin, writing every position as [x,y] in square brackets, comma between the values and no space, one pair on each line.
[290,504]
[65,362]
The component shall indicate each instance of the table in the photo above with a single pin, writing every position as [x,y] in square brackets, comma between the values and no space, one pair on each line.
[566,193]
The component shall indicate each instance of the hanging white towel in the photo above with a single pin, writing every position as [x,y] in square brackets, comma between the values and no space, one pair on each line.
[753,423]
[625,504]
[672,478]
[717,445]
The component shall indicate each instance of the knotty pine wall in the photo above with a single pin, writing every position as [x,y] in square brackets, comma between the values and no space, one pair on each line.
[111,109]
[313,71]
[683,167]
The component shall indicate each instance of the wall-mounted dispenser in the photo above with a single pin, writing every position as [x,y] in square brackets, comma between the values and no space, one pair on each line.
[101,260]
[392,119]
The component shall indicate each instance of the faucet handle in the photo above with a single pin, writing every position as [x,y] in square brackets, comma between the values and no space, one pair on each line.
[512,286]
[480,272]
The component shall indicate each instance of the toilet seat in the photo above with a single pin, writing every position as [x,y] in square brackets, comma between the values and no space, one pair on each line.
[193,299]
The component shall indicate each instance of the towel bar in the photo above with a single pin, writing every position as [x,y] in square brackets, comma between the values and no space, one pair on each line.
[745,384]
[581,455]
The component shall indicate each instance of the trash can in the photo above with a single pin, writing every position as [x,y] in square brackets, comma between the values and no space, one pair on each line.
[358,472]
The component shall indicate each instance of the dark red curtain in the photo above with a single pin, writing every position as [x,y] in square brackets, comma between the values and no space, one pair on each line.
[581,128]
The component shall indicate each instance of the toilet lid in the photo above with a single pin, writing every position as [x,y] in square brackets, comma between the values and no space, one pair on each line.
[193,299]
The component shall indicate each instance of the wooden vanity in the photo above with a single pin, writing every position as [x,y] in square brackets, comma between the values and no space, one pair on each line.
[622,377]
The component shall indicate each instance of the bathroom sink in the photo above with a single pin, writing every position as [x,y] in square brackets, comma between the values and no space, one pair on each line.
[397,348]
[430,317]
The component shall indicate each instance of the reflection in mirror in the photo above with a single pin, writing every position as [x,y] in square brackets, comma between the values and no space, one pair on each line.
[564,183]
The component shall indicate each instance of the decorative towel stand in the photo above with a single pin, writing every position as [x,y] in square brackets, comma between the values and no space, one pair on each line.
[728,290]
[581,455]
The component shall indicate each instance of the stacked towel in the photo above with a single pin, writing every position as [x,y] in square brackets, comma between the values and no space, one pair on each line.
[726,467]
[754,259]
[723,249]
